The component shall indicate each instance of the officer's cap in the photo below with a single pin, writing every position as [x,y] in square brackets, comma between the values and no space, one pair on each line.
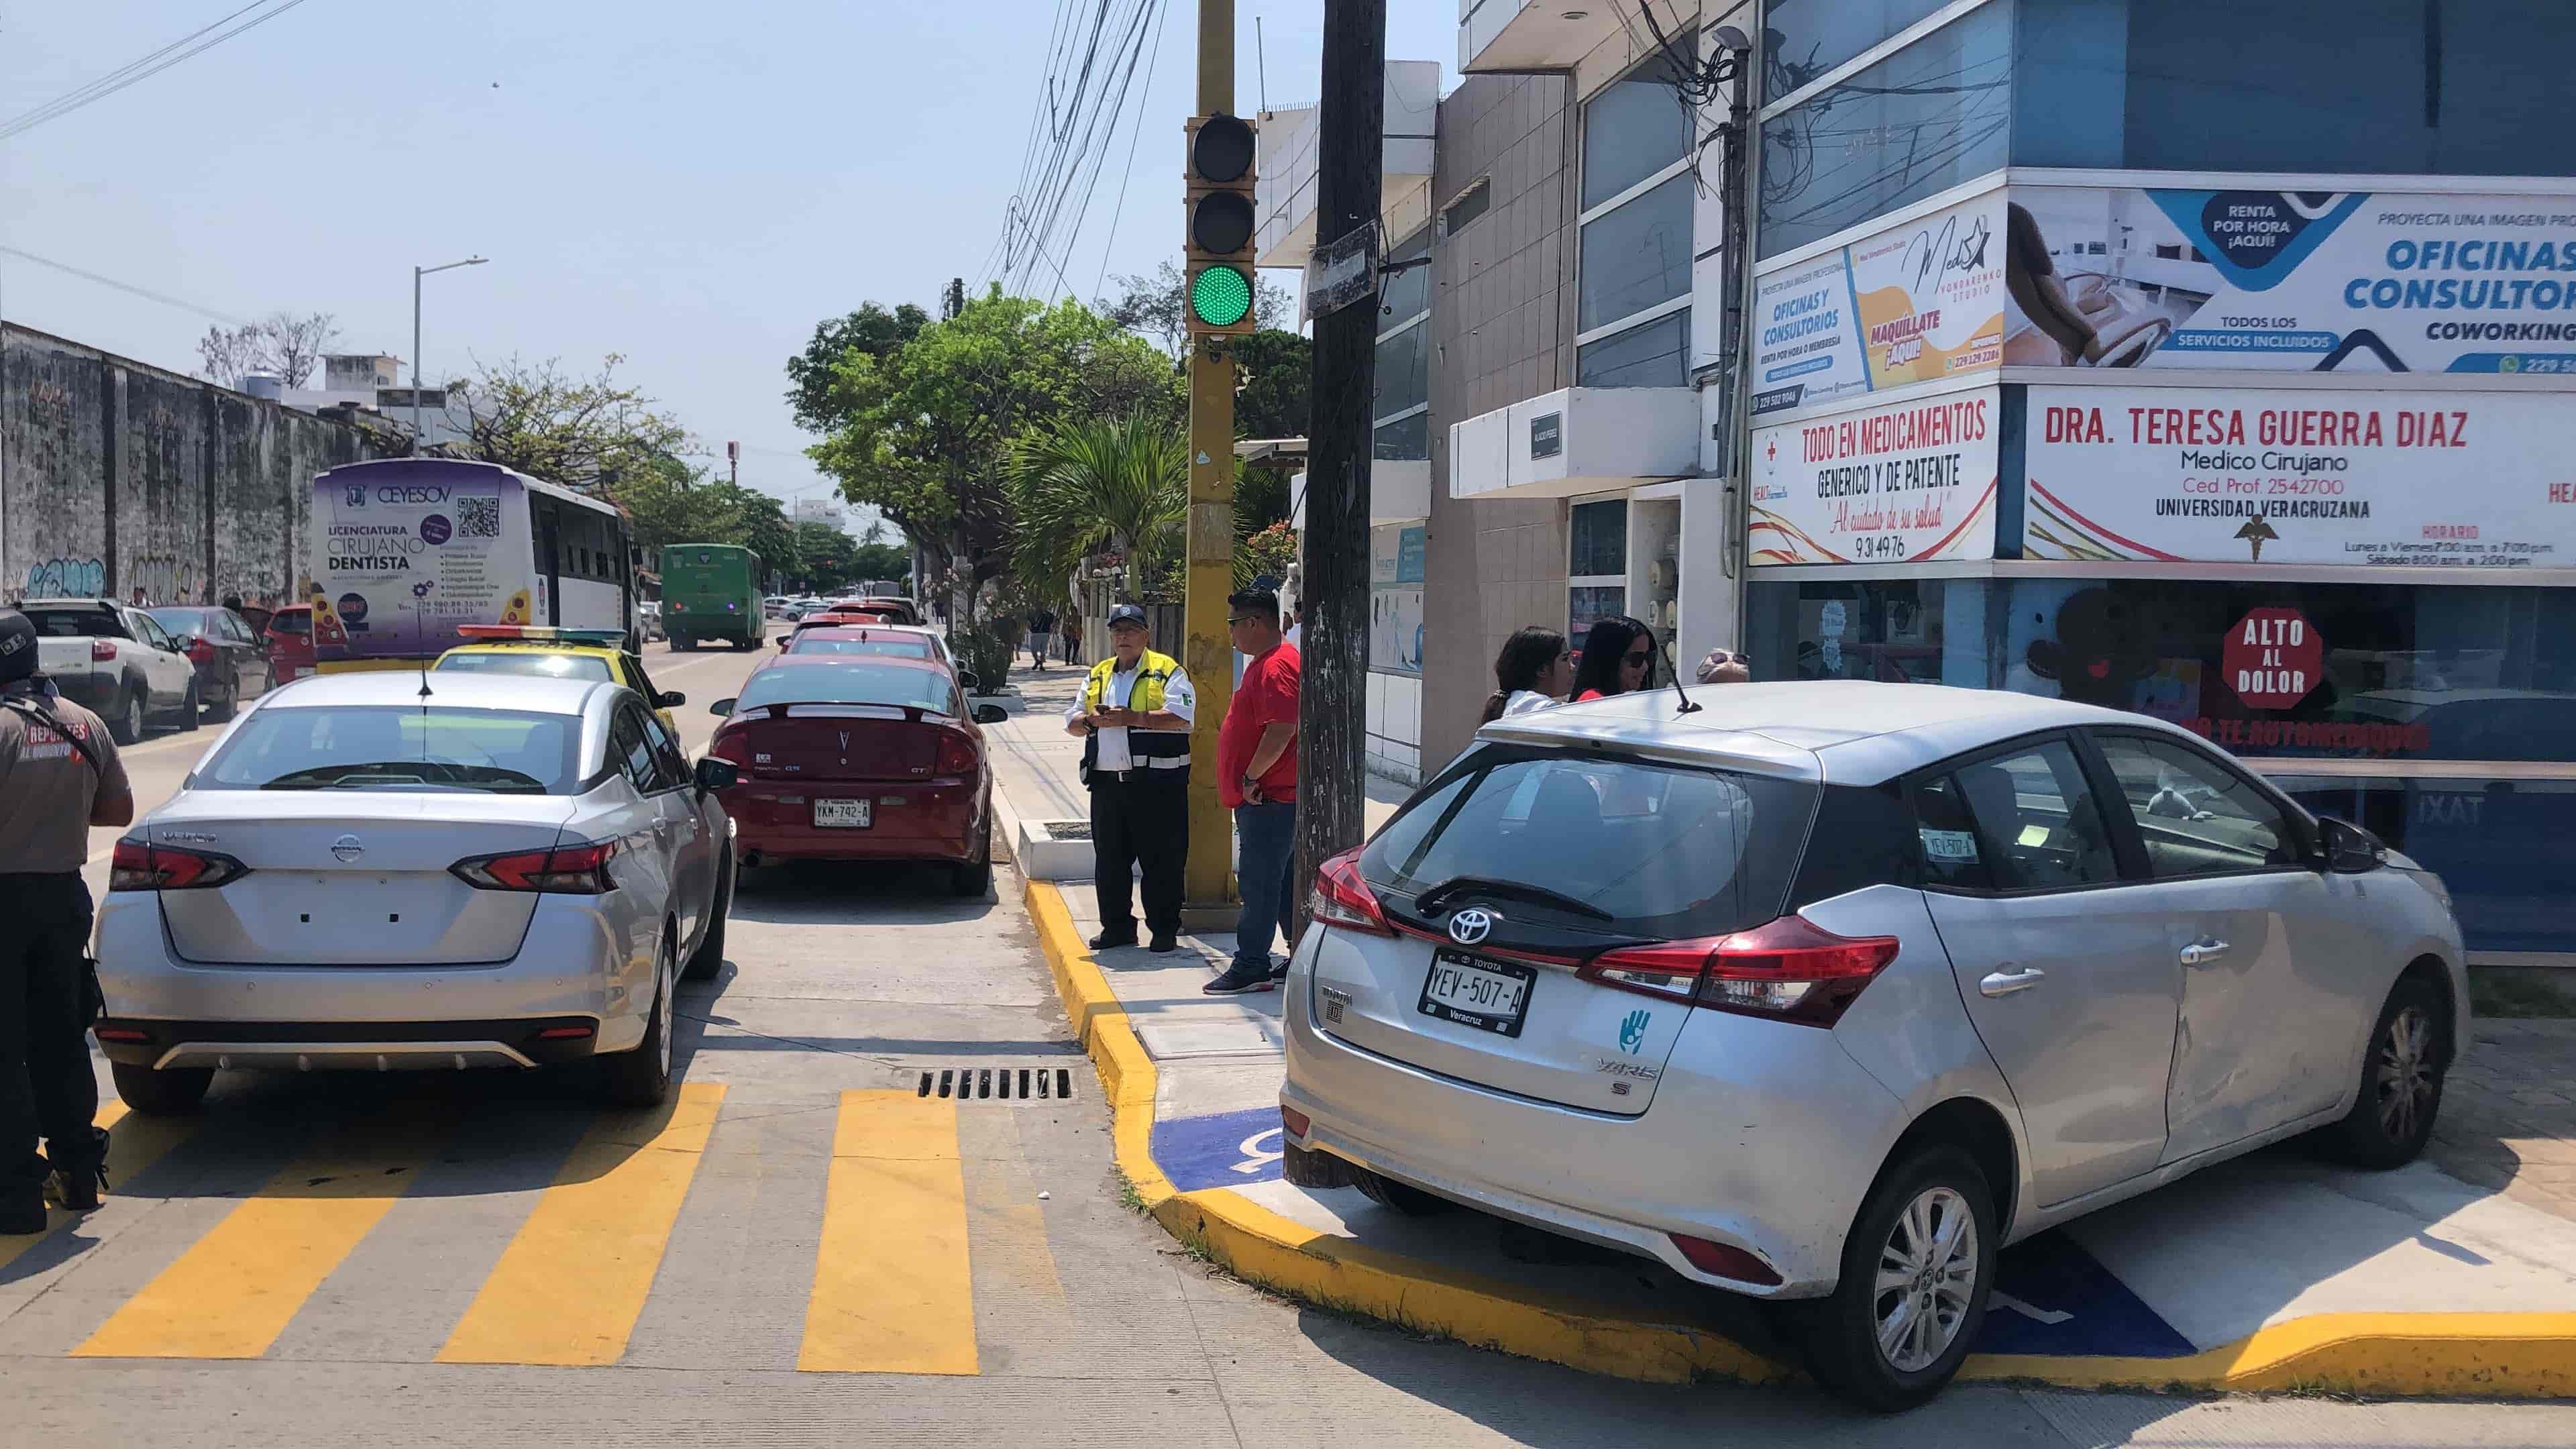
[1126,614]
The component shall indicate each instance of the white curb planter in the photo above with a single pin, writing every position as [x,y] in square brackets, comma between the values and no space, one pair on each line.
[1057,850]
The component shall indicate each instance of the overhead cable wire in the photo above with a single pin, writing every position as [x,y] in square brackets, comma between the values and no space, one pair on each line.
[196,43]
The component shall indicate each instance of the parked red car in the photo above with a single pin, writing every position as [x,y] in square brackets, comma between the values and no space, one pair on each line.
[865,757]
[290,644]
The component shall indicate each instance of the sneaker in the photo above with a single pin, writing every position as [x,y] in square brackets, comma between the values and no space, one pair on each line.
[22,1214]
[1240,979]
[1112,940]
[1165,943]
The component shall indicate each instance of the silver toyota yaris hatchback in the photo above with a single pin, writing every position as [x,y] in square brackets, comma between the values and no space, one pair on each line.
[1825,992]
[384,871]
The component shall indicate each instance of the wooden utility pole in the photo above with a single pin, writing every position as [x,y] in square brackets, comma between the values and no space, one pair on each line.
[1332,725]
[1208,652]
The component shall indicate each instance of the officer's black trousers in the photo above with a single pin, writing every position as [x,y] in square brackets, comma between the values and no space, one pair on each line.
[46,1089]
[1140,819]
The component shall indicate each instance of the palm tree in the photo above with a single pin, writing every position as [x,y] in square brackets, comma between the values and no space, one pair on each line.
[1085,486]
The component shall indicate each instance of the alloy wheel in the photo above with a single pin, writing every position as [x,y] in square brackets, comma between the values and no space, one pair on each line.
[1927,1270]
[2405,1073]
[134,715]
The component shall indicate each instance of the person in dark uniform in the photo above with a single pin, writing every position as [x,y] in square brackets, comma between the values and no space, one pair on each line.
[59,775]
[1134,715]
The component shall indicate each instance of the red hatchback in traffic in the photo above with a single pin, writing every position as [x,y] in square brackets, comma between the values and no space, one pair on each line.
[859,757]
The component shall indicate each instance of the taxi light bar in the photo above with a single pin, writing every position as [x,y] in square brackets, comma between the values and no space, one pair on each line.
[542,633]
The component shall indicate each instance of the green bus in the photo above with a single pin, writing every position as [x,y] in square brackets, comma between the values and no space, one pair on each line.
[711,591]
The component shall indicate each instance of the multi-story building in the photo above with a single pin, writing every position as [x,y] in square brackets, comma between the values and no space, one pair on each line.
[2194,358]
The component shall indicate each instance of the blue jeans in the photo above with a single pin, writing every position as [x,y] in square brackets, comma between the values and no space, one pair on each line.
[1269,857]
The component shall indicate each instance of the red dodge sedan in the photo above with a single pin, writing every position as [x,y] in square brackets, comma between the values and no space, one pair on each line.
[859,757]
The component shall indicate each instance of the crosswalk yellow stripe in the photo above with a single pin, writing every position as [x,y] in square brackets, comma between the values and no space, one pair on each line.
[569,1287]
[231,1294]
[892,1290]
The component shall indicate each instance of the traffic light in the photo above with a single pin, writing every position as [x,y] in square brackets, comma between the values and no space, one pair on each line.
[1221,225]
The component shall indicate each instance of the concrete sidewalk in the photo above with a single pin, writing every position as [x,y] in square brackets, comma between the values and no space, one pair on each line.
[2273,1271]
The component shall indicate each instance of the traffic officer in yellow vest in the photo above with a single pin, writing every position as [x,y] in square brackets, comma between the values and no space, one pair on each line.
[1134,716]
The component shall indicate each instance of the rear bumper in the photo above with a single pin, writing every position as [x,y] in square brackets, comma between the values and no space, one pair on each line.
[346,1046]
[575,966]
[939,820]
[92,689]
[1761,1135]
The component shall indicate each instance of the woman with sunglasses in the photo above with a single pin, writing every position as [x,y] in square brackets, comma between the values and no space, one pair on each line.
[1618,658]
[1726,667]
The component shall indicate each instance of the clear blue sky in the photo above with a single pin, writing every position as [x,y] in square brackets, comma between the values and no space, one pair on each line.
[692,186]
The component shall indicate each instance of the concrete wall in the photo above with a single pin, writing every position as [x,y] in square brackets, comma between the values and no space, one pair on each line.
[115,475]
[1502,314]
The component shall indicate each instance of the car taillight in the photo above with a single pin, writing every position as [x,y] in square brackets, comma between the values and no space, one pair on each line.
[141,867]
[101,649]
[1342,898]
[957,754]
[574,870]
[1788,970]
[728,745]
[1725,1260]
[200,652]
[676,607]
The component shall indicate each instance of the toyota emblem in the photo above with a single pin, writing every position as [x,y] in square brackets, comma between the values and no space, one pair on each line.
[1471,926]
[347,848]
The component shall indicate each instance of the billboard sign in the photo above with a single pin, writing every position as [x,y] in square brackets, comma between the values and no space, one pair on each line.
[1886,484]
[2463,480]
[405,552]
[2299,281]
[1912,303]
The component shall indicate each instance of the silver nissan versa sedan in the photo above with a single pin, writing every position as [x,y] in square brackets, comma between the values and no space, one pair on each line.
[1825,992]
[383,871]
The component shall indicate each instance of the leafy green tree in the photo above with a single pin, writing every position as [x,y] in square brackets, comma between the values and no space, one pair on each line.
[1084,486]
[1158,308]
[1277,370]
[879,560]
[670,502]
[924,432]
[813,375]
[827,558]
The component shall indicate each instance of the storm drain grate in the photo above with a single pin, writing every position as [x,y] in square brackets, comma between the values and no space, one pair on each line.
[979,1083]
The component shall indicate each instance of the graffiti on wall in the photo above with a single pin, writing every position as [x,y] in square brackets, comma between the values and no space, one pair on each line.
[56,578]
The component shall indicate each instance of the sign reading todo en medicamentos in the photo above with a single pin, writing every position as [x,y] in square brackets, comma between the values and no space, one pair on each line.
[2460,480]
[1882,485]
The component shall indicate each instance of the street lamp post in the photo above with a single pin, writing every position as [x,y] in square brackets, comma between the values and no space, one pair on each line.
[416,274]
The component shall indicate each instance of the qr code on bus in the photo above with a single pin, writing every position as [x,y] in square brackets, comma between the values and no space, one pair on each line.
[478,518]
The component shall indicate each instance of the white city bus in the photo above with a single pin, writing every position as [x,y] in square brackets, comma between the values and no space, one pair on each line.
[406,550]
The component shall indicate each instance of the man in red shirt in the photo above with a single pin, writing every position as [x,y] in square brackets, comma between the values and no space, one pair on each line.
[1256,758]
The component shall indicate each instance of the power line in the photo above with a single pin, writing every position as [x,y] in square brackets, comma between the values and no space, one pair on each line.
[195,43]
[1135,133]
[144,292]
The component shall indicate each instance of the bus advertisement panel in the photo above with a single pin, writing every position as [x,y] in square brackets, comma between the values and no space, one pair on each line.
[407,549]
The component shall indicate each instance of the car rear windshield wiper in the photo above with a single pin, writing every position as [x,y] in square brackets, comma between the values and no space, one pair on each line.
[1477,885]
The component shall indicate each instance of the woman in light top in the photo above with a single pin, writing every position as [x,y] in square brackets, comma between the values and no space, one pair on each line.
[1533,672]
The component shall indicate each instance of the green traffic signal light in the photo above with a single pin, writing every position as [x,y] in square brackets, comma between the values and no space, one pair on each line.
[1220,295]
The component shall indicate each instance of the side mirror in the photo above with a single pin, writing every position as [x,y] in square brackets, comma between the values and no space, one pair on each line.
[714,774]
[786,639]
[991,714]
[669,699]
[2350,850]
[967,681]
[722,709]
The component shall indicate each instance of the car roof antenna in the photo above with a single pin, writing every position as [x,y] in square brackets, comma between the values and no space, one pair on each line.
[1681,698]
[424,679]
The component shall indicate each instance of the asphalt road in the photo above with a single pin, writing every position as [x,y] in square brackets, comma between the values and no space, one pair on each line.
[803,1247]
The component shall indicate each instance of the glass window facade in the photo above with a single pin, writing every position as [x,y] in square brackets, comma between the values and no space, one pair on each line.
[1920,121]
[1811,37]
[1403,370]
[1638,255]
[2390,673]
[1633,129]
[1654,354]
[1403,439]
[1597,537]
[2426,87]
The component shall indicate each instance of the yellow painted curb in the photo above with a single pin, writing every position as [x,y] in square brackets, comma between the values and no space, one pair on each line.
[2509,1355]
